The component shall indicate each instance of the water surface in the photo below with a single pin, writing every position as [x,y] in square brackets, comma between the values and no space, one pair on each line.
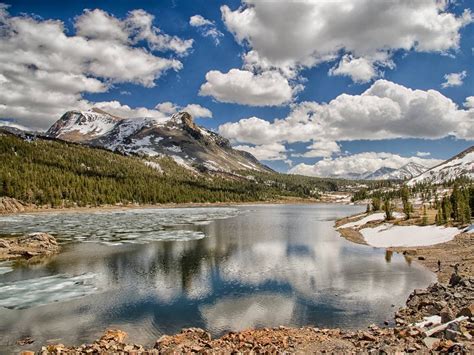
[156,271]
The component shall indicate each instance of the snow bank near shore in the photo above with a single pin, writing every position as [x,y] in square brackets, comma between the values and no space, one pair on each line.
[388,235]
[379,216]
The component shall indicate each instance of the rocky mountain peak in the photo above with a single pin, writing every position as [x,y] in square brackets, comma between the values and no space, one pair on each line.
[179,137]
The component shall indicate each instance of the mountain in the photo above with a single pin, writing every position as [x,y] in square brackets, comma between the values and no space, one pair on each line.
[407,171]
[456,167]
[178,137]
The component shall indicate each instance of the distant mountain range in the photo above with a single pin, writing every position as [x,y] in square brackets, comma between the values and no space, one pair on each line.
[178,137]
[199,149]
[407,171]
[459,165]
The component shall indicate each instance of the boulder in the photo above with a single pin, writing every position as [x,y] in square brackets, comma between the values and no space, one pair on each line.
[446,315]
[467,311]
[34,244]
[11,205]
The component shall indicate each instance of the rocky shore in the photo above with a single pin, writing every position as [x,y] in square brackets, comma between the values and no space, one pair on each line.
[10,205]
[28,246]
[438,319]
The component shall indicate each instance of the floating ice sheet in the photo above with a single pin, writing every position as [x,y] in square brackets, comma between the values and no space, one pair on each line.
[119,226]
[44,290]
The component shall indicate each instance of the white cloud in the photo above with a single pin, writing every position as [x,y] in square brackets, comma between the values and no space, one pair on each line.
[272,151]
[423,154]
[469,102]
[125,111]
[385,110]
[361,70]
[167,107]
[198,21]
[244,87]
[195,110]
[294,34]
[454,79]
[206,27]
[357,165]
[44,71]
[321,149]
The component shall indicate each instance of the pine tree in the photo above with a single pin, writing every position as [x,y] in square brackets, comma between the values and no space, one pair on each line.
[424,220]
[388,208]
[376,204]
[406,201]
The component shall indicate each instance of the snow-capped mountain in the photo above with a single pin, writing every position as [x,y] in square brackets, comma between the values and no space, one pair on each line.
[407,171]
[459,165]
[179,137]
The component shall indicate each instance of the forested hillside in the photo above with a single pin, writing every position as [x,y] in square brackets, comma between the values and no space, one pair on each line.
[56,173]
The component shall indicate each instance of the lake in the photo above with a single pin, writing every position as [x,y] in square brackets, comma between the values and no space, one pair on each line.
[155,271]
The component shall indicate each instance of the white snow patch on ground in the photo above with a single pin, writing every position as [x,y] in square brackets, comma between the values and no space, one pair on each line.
[154,165]
[379,216]
[174,148]
[252,167]
[182,162]
[44,290]
[387,235]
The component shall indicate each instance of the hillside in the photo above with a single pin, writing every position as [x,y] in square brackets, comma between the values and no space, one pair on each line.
[178,137]
[57,173]
[461,165]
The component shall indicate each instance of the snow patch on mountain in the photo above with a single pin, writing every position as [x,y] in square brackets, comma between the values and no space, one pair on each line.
[177,136]
[407,171]
[456,167]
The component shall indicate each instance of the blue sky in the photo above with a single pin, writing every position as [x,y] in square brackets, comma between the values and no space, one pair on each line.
[412,68]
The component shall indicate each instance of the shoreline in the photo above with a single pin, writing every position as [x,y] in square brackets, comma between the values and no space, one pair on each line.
[403,337]
[459,250]
[170,206]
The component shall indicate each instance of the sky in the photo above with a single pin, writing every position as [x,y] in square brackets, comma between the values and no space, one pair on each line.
[324,88]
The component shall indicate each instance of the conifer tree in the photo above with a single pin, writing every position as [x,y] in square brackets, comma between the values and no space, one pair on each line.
[388,208]
[407,207]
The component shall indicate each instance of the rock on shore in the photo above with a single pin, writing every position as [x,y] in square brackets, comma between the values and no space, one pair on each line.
[30,245]
[11,205]
[449,328]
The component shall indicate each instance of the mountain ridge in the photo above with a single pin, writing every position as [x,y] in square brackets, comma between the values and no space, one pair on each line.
[178,137]
[460,165]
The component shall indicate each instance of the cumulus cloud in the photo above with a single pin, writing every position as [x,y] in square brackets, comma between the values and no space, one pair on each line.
[272,151]
[206,27]
[361,70]
[44,71]
[290,35]
[195,110]
[241,86]
[117,109]
[454,79]
[385,110]
[321,149]
[423,154]
[358,165]
[469,103]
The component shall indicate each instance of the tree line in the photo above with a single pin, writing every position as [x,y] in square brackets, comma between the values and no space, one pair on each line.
[56,173]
